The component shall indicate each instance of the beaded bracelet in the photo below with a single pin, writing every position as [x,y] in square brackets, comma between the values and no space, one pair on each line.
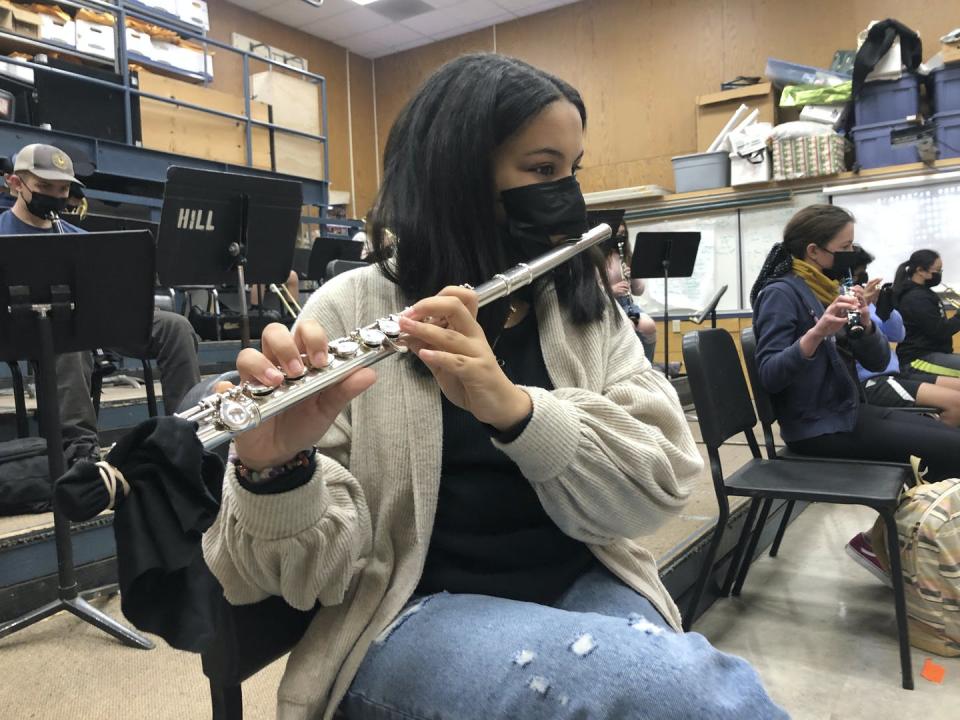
[301,459]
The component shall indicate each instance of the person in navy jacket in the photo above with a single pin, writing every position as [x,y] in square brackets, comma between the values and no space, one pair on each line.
[807,359]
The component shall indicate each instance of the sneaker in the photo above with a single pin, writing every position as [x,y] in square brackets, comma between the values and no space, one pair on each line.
[861,550]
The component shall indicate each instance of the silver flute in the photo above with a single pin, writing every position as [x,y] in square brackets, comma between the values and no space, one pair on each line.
[222,416]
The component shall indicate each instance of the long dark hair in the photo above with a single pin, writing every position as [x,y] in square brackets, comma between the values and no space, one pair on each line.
[919,260]
[438,190]
[817,224]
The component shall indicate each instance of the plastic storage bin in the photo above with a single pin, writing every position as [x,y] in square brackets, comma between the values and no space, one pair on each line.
[948,134]
[946,89]
[788,73]
[701,171]
[888,100]
[874,148]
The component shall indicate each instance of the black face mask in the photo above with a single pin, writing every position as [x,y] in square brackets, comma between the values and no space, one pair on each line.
[843,263]
[42,205]
[935,280]
[535,212]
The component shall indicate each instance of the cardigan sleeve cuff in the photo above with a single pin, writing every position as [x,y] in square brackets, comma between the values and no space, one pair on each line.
[548,442]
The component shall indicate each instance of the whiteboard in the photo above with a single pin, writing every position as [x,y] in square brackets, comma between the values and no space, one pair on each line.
[716,265]
[892,224]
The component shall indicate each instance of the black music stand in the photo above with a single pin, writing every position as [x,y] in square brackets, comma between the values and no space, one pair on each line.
[56,298]
[709,309]
[218,227]
[666,255]
[327,249]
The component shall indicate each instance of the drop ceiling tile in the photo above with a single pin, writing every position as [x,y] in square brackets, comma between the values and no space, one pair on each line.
[473,11]
[391,35]
[352,22]
[538,6]
[297,13]
[256,5]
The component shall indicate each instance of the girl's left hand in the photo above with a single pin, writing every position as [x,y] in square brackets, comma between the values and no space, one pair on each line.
[444,333]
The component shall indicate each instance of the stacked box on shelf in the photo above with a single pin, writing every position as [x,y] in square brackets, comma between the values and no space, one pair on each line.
[96,39]
[810,156]
[19,20]
[194,12]
[165,6]
[948,133]
[888,100]
[874,148]
[139,43]
[57,30]
[946,89]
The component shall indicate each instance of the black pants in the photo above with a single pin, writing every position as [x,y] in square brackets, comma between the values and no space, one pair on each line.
[934,364]
[891,435]
[174,345]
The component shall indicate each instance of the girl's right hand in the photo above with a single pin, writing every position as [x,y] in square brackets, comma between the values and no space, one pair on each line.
[281,437]
[834,318]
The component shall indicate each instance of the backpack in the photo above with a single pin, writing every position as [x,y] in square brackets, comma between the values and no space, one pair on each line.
[25,485]
[928,525]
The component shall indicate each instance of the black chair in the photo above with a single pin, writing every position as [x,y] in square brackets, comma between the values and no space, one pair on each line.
[724,409]
[104,367]
[248,637]
[335,267]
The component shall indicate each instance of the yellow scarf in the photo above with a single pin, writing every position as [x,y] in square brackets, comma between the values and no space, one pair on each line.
[823,287]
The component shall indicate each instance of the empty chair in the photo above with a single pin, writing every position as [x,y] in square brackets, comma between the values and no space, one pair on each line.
[724,409]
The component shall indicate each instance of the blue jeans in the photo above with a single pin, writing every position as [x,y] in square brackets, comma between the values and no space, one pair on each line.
[602,652]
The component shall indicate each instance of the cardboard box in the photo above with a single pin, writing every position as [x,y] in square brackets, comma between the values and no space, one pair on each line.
[194,12]
[715,109]
[139,43]
[167,6]
[96,39]
[16,71]
[192,60]
[950,53]
[53,29]
[19,20]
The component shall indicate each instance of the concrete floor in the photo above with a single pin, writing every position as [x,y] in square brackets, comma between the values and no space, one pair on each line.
[821,631]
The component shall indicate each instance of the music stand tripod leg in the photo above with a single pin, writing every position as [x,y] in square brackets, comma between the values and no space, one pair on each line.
[66,575]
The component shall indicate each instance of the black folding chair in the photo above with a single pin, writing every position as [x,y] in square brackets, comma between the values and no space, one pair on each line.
[248,637]
[724,409]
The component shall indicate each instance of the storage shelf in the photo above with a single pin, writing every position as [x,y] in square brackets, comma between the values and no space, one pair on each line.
[165,69]
[10,41]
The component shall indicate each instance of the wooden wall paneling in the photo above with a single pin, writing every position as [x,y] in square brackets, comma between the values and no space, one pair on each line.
[183,131]
[398,76]
[324,58]
[364,142]
[295,104]
[811,31]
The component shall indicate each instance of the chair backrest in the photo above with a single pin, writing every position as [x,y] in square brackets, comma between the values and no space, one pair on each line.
[335,267]
[717,384]
[761,398]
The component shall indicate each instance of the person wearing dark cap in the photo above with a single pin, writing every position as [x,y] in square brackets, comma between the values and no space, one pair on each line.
[42,180]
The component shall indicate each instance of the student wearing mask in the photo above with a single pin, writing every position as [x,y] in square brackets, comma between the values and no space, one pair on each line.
[890,388]
[927,348]
[463,514]
[41,180]
[807,359]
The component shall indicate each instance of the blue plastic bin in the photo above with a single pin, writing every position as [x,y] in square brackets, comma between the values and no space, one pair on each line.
[874,148]
[888,100]
[946,89]
[783,72]
[948,133]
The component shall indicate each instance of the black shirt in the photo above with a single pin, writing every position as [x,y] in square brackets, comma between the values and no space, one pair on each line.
[926,323]
[491,535]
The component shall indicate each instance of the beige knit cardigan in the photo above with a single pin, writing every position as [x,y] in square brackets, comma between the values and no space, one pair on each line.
[608,452]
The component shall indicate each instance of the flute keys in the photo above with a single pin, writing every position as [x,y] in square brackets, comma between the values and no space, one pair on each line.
[389,327]
[372,338]
[257,390]
[345,349]
[239,416]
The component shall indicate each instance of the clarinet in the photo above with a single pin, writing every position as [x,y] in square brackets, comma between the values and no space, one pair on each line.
[854,322]
[625,274]
[222,416]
